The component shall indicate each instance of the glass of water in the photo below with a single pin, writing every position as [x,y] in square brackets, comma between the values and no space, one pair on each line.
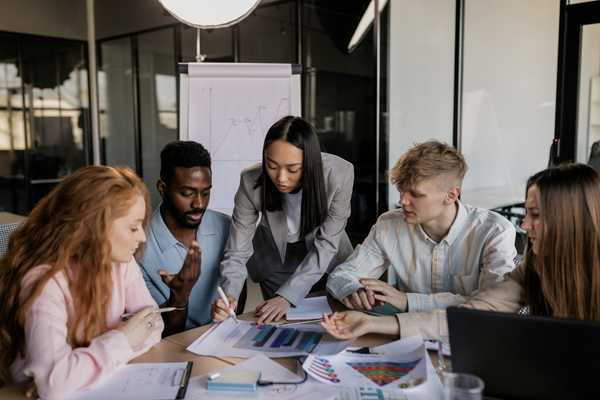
[458,386]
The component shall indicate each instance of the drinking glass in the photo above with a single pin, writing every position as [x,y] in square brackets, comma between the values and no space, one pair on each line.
[459,386]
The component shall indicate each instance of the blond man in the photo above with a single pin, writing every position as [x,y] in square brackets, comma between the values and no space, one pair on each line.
[441,251]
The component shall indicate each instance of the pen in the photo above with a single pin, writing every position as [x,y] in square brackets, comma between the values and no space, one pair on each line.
[184,381]
[126,316]
[224,298]
[308,321]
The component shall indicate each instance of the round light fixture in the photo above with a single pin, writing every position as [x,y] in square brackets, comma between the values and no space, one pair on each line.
[209,14]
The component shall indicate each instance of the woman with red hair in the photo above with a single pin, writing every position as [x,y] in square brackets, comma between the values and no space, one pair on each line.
[67,279]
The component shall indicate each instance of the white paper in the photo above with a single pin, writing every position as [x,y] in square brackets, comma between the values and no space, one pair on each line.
[310,308]
[432,389]
[270,371]
[137,381]
[243,339]
[433,345]
[395,365]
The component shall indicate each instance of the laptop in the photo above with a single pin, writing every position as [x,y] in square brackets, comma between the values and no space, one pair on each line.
[526,357]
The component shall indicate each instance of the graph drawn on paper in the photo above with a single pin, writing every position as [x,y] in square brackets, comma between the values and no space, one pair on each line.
[322,368]
[233,123]
[382,373]
[230,117]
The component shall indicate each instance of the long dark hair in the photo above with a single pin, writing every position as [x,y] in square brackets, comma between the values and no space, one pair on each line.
[298,132]
[563,279]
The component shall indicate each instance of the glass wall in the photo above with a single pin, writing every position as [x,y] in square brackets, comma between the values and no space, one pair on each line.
[44,116]
[157,100]
[509,92]
[340,95]
[269,34]
[118,114]
[421,79]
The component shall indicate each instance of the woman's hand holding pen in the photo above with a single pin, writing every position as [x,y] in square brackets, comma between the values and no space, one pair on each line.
[271,310]
[220,311]
[139,327]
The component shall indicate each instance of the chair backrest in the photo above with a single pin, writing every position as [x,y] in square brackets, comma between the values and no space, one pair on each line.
[594,160]
[5,231]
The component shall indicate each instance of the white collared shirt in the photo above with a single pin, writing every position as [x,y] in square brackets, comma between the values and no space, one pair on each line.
[476,253]
[292,206]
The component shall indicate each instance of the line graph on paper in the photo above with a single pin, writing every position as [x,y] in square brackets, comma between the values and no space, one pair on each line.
[242,136]
[230,117]
[234,125]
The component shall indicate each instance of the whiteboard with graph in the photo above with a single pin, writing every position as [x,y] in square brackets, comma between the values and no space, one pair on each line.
[228,107]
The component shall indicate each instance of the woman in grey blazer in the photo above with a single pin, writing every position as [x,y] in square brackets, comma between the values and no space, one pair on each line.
[300,198]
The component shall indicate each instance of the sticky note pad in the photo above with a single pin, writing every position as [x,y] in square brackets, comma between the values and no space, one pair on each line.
[240,380]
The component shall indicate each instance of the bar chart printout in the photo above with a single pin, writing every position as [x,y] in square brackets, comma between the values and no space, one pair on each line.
[273,339]
[247,339]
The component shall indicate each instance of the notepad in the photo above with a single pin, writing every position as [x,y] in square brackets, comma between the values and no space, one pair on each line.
[237,380]
[309,308]
[151,381]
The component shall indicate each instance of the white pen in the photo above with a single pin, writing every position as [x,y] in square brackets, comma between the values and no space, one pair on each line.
[288,323]
[226,301]
[126,316]
[214,376]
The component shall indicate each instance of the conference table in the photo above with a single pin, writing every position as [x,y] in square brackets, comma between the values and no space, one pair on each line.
[173,349]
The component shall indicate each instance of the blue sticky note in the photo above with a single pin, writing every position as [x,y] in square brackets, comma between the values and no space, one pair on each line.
[237,381]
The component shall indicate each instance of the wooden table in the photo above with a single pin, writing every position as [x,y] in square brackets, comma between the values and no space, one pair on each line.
[173,349]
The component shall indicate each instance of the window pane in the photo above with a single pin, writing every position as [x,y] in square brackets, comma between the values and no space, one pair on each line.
[268,34]
[509,90]
[215,44]
[115,81]
[340,99]
[158,101]
[588,119]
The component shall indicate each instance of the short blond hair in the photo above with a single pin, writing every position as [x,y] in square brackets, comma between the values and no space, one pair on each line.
[427,160]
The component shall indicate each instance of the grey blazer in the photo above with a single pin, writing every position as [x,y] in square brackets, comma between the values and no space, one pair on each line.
[327,245]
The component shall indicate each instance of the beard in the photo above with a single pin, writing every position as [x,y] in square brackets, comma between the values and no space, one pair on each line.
[180,216]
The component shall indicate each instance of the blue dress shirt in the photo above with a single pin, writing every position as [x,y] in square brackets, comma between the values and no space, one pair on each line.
[164,251]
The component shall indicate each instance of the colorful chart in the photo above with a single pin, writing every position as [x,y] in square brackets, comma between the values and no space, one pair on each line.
[322,368]
[383,373]
[273,339]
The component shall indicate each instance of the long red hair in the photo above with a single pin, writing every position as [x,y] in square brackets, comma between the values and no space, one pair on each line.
[68,228]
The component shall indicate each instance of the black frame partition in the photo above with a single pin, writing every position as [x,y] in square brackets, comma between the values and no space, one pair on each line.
[573,18]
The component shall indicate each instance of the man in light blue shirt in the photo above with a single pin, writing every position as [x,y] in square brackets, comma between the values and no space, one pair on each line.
[185,243]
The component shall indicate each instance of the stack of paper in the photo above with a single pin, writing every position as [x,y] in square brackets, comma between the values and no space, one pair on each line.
[310,308]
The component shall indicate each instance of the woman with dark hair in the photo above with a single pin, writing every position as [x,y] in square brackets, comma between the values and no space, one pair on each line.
[560,276]
[302,197]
